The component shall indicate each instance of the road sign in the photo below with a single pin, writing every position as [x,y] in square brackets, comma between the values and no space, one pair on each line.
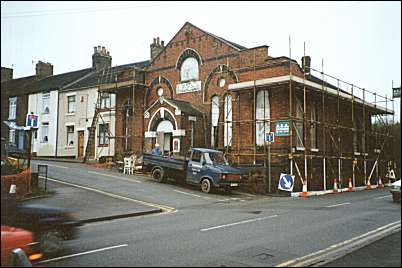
[32,120]
[270,137]
[286,182]
[282,128]
[396,92]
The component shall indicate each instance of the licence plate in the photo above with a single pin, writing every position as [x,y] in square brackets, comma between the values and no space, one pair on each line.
[234,184]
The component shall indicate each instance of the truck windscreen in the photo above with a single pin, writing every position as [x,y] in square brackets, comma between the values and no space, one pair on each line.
[215,158]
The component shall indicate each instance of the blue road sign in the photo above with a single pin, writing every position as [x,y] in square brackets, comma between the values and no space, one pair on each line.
[286,182]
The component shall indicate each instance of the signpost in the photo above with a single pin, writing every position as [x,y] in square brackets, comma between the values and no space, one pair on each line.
[269,138]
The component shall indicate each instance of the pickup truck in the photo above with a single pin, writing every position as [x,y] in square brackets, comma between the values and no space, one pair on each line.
[205,167]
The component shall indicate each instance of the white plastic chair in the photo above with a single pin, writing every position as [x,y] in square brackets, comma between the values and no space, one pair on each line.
[128,166]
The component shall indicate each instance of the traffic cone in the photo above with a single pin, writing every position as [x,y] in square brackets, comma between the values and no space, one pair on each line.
[335,190]
[368,184]
[305,193]
[380,185]
[350,187]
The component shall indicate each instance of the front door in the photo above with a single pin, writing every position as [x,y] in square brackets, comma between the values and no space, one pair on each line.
[80,144]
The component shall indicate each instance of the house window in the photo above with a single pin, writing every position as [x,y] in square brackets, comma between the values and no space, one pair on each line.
[71,104]
[70,135]
[104,100]
[214,119]
[12,108]
[45,103]
[299,123]
[103,137]
[228,121]
[189,69]
[11,136]
[45,132]
[262,116]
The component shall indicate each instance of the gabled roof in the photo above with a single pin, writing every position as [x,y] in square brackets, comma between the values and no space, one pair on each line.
[105,76]
[229,43]
[185,107]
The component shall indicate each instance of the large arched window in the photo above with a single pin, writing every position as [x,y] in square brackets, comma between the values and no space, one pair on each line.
[262,116]
[189,69]
[228,121]
[214,119]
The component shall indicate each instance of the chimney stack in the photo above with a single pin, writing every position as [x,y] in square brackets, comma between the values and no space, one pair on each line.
[306,64]
[43,69]
[156,47]
[6,74]
[101,58]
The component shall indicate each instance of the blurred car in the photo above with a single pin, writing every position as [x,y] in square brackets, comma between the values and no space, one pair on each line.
[49,225]
[13,238]
[396,191]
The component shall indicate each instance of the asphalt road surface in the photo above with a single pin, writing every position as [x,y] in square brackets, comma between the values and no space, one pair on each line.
[216,229]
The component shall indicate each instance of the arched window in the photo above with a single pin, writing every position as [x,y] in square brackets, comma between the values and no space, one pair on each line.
[262,116]
[189,69]
[228,121]
[214,119]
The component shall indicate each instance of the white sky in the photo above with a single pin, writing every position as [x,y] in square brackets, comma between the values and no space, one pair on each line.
[360,42]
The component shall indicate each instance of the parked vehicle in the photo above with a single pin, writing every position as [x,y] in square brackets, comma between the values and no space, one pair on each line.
[205,167]
[49,225]
[15,238]
[396,191]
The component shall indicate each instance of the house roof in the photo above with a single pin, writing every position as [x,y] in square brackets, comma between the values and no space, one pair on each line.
[14,87]
[185,107]
[105,76]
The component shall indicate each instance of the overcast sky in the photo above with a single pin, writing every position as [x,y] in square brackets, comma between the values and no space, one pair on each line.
[360,42]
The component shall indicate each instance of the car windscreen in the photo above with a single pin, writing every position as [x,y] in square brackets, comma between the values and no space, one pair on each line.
[215,158]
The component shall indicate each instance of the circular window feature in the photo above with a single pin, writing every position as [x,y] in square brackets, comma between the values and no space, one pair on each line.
[160,92]
[221,82]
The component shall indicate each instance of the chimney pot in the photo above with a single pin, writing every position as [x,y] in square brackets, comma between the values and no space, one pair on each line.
[157,40]
[163,43]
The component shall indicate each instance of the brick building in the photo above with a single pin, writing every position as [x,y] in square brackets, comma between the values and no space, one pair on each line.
[202,90]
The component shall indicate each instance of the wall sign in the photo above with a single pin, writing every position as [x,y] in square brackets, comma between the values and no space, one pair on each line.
[176,145]
[282,128]
[190,86]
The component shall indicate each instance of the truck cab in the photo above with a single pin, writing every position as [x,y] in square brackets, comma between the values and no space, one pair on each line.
[210,169]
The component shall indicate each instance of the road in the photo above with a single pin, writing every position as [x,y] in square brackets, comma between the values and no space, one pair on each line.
[215,229]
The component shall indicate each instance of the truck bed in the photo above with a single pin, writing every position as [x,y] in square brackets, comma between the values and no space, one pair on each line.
[174,163]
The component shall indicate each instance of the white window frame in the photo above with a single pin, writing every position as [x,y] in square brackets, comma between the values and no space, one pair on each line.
[11,136]
[46,103]
[71,105]
[299,124]
[44,126]
[103,137]
[192,65]
[70,135]
[228,121]
[214,119]
[262,116]
[12,105]
[105,99]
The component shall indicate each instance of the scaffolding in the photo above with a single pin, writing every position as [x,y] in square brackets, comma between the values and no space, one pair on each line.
[371,116]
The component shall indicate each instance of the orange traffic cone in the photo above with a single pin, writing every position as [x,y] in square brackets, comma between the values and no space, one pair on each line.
[335,190]
[368,184]
[305,193]
[380,185]
[350,187]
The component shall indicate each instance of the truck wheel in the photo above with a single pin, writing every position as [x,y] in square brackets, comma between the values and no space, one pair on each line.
[158,175]
[206,186]
[51,241]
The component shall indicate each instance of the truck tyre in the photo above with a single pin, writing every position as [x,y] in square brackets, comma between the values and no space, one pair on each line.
[158,174]
[50,241]
[206,186]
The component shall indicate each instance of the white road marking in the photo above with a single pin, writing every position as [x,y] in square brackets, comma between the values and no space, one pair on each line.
[116,177]
[50,165]
[166,209]
[338,205]
[236,223]
[247,194]
[83,253]
[186,193]
[381,197]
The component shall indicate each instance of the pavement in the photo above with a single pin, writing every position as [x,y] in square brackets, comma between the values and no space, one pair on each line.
[89,206]
[383,253]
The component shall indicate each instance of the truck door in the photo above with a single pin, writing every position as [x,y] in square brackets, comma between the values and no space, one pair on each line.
[194,167]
